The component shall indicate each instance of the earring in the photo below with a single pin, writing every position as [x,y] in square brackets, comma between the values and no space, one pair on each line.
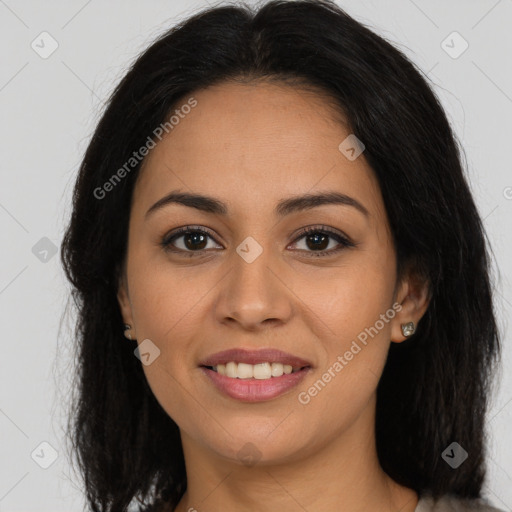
[408,329]
[127,328]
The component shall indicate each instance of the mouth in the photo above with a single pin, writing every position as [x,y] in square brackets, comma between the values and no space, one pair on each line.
[254,376]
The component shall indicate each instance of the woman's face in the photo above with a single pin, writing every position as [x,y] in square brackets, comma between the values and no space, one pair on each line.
[255,281]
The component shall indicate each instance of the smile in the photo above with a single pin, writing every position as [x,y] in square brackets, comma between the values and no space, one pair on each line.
[259,371]
[254,389]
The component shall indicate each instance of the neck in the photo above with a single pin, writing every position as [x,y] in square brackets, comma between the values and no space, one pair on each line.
[342,473]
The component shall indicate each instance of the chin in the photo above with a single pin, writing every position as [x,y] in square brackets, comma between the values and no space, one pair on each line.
[262,446]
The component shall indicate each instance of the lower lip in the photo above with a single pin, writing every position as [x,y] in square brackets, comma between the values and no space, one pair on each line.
[255,390]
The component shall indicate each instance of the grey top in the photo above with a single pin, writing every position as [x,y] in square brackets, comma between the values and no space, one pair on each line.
[453,504]
[425,504]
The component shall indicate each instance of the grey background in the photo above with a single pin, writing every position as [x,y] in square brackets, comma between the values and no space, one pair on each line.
[49,108]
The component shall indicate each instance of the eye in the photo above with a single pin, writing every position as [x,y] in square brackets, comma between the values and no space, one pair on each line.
[194,239]
[317,239]
[190,239]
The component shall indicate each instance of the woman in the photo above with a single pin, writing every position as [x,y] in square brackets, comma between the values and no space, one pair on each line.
[273,212]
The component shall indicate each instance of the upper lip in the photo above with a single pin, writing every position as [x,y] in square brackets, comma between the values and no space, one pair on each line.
[241,355]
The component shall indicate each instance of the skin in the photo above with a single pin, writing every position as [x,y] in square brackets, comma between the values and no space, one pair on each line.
[251,145]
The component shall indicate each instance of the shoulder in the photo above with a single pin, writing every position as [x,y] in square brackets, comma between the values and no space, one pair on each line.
[450,503]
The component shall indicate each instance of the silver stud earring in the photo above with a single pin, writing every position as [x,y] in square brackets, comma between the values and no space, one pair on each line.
[127,328]
[408,329]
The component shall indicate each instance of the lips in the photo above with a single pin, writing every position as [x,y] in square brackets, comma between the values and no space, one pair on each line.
[261,387]
[240,355]
[253,390]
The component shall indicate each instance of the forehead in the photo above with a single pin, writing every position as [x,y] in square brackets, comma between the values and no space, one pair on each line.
[252,144]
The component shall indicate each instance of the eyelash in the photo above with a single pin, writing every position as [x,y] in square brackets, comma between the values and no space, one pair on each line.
[342,240]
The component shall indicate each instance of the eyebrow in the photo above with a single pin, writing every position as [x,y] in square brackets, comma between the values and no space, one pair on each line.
[284,206]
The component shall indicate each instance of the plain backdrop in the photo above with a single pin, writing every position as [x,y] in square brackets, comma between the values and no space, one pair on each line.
[49,107]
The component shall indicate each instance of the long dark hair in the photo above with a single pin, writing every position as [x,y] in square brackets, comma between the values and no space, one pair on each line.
[435,386]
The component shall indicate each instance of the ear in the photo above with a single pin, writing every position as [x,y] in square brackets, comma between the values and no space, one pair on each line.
[125,305]
[413,295]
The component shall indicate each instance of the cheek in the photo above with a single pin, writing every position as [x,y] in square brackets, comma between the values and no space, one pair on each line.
[166,310]
[356,303]
[165,296]
[353,359]
[350,298]
[168,313]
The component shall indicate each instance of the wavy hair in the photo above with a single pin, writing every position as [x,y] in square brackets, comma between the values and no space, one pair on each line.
[434,388]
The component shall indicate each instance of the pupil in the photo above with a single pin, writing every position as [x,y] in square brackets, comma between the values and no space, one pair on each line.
[195,237]
[316,237]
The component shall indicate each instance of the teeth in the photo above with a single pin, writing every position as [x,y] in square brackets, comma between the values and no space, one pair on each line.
[277,369]
[259,371]
[244,371]
[231,370]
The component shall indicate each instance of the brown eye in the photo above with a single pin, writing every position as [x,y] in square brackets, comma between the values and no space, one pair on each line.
[317,240]
[187,239]
[194,240]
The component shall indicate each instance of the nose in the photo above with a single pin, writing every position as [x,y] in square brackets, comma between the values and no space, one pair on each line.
[254,295]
